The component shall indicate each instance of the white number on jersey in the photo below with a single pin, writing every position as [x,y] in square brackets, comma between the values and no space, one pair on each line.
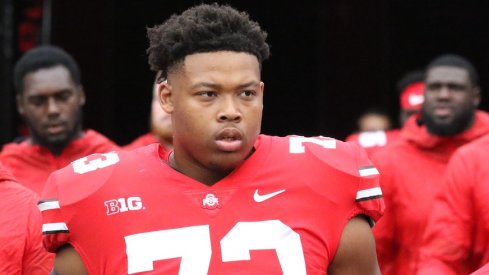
[296,143]
[88,164]
[193,245]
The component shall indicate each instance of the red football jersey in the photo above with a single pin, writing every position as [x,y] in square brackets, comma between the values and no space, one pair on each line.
[32,164]
[282,211]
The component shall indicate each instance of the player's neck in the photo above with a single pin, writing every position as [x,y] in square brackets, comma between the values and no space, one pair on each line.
[167,143]
[197,172]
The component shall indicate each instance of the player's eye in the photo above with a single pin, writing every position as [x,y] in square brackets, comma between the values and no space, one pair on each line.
[37,100]
[63,96]
[207,94]
[248,93]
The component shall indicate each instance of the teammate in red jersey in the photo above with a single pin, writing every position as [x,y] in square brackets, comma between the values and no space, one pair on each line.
[160,124]
[50,99]
[226,200]
[21,250]
[411,89]
[457,235]
[412,168]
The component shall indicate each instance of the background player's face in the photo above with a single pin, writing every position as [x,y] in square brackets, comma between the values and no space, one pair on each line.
[51,106]
[374,122]
[216,103]
[450,100]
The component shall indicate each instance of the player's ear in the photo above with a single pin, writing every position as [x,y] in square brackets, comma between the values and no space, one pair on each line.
[477,97]
[165,96]
[81,95]
[262,89]
[20,107]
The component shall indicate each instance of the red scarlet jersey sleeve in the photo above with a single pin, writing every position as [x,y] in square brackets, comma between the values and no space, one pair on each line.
[58,210]
[351,159]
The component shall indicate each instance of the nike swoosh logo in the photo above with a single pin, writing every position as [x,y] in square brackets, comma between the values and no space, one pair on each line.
[261,198]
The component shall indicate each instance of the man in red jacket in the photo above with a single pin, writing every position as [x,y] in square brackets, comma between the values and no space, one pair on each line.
[50,98]
[21,250]
[411,169]
[457,235]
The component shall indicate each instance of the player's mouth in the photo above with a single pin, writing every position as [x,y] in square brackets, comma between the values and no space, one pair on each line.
[55,128]
[442,111]
[229,140]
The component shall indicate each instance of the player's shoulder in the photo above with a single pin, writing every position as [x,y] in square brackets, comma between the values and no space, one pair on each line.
[348,157]
[473,154]
[13,148]
[88,174]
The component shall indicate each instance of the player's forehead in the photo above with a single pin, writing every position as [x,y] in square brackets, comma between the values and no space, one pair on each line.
[47,81]
[216,67]
[447,74]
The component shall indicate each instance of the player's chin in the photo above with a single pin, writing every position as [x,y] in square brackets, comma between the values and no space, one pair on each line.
[227,161]
[443,121]
[55,139]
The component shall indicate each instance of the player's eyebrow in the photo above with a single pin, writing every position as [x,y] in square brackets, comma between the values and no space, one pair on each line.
[251,83]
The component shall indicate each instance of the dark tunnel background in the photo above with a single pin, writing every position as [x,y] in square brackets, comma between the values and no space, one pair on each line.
[330,60]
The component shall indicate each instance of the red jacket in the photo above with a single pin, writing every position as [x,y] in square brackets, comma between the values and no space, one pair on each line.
[411,170]
[457,235]
[21,250]
[32,164]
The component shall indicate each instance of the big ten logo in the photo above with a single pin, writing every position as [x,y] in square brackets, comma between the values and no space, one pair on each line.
[123,205]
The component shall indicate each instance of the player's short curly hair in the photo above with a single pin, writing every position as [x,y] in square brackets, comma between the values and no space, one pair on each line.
[204,28]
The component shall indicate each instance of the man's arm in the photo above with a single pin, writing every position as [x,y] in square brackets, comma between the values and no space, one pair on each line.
[449,234]
[68,262]
[356,251]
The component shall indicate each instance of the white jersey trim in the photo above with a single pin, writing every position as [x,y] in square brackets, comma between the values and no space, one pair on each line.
[368,171]
[367,193]
[48,205]
[53,227]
